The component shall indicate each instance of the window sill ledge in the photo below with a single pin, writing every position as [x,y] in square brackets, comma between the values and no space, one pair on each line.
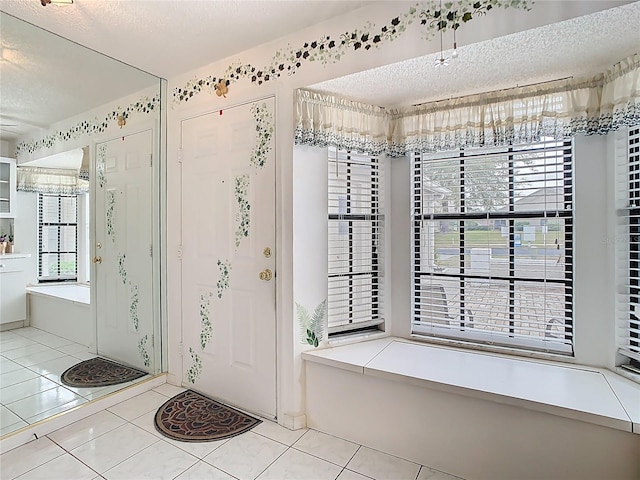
[582,393]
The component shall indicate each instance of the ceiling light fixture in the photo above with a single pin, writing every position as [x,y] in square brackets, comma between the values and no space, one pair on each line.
[44,3]
[442,61]
[454,54]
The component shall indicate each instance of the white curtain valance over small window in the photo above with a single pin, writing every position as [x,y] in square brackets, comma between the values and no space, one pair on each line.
[558,109]
[324,121]
[620,103]
[52,181]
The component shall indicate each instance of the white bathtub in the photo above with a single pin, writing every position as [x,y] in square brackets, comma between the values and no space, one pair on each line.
[61,309]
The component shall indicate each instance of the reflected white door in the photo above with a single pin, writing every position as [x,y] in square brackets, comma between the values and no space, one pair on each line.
[228,235]
[123,263]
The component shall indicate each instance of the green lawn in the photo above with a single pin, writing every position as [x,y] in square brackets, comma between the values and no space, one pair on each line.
[493,238]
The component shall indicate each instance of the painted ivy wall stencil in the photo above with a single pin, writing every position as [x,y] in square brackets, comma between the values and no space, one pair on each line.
[144,105]
[100,165]
[311,326]
[121,269]
[133,306]
[111,206]
[194,371]
[142,350]
[264,129]
[242,193]
[206,331]
[225,271]
[432,16]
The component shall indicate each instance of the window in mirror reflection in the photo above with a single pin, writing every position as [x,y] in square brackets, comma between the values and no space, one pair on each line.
[57,238]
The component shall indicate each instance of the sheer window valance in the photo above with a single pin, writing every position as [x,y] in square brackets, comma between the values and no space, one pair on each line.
[557,109]
[50,180]
[324,121]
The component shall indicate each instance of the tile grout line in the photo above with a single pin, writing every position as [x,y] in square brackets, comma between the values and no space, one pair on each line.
[214,466]
[72,455]
[91,439]
[50,460]
[324,459]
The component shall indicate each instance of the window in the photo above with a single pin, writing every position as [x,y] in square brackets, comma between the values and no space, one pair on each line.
[57,234]
[492,235]
[355,243]
[628,243]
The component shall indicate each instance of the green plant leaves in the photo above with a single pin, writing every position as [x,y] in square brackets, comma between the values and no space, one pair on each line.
[311,325]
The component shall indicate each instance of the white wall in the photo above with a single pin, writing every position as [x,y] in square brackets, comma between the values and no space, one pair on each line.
[399,247]
[594,324]
[7,149]
[310,246]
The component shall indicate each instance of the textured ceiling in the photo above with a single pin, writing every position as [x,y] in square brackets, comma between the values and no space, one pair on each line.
[41,82]
[575,47]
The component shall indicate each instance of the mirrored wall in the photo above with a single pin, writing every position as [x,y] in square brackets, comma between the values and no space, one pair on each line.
[81,278]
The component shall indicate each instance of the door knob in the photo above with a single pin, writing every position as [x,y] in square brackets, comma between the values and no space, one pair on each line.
[266,275]
[97,259]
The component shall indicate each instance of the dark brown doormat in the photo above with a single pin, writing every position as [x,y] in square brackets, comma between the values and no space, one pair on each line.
[192,417]
[99,372]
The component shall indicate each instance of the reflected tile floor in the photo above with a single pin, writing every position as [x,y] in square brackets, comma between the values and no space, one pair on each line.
[121,442]
[31,362]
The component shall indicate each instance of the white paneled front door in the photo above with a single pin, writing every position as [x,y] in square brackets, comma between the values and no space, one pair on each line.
[123,263]
[228,257]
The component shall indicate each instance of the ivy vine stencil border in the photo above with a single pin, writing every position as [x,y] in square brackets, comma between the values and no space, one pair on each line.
[433,16]
[206,331]
[225,273]
[265,127]
[121,268]
[144,105]
[133,306]
[244,217]
[101,165]
[111,206]
[142,350]
[194,371]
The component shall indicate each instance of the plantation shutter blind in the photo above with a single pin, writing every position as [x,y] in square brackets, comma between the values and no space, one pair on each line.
[627,145]
[355,241]
[492,246]
[57,259]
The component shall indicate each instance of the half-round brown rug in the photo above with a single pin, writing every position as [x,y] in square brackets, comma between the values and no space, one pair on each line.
[99,372]
[192,417]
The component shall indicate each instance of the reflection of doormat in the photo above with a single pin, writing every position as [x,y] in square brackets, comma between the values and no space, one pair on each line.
[99,372]
[192,417]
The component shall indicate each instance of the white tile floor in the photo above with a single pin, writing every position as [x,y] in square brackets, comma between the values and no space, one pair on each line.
[31,362]
[122,443]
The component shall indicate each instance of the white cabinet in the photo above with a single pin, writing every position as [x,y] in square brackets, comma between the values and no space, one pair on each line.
[13,288]
[7,187]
